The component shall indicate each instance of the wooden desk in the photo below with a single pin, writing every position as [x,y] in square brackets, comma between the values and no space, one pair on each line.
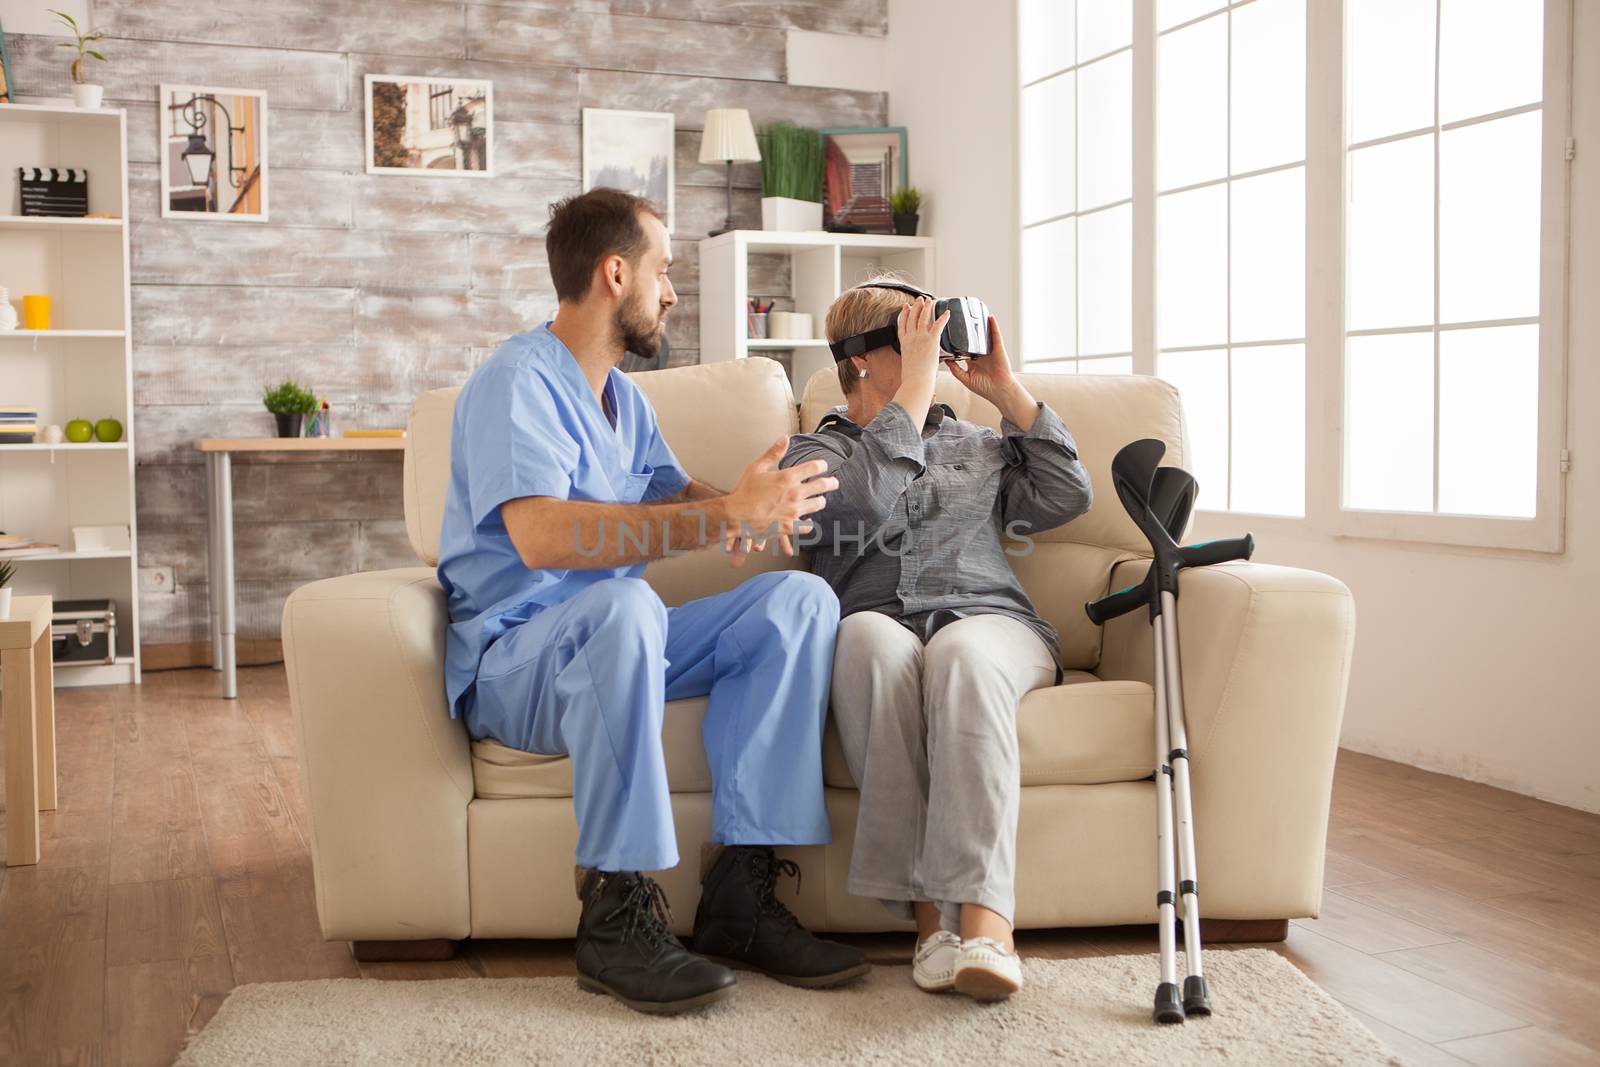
[219,524]
[28,702]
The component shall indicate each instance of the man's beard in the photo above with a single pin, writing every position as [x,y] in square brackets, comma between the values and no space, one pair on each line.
[640,333]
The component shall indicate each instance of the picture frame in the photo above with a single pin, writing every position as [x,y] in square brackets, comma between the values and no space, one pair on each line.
[429,126]
[633,151]
[854,157]
[7,88]
[204,176]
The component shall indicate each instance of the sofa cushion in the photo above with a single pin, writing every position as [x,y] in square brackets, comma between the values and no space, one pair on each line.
[1082,732]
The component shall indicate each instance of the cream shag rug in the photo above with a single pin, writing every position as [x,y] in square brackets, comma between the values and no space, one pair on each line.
[1091,1011]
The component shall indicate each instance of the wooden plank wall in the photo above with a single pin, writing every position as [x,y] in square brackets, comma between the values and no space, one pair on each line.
[374,288]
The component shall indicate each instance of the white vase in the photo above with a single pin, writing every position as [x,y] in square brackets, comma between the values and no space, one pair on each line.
[8,314]
[86,95]
[790,215]
[5,602]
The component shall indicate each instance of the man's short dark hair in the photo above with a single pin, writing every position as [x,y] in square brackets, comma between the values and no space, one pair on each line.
[584,229]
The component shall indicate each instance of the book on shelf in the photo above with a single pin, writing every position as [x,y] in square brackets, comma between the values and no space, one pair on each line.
[28,548]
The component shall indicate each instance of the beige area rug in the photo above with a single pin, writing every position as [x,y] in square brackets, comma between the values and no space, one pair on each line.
[1090,1011]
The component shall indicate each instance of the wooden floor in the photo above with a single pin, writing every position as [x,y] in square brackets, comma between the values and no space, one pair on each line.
[1459,921]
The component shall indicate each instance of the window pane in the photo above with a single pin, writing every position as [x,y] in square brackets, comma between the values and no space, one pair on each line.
[1390,67]
[1105,131]
[1191,104]
[1103,26]
[1172,12]
[1491,56]
[1390,265]
[1047,149]
[1389,422]
[1192,267]
[1268,270]
[1269,84]
[1202,381]
[1105,281]
[1489,421]
[1109,365]
[1048,291]
[1045,28]
[1489,220]
[1064,366]
[1269,430]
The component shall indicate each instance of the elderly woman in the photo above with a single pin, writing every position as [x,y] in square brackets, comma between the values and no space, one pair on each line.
[938,640]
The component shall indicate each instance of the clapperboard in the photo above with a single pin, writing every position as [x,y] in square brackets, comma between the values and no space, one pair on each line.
[54,191]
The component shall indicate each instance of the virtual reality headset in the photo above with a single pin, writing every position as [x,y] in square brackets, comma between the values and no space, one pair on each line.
[965,335]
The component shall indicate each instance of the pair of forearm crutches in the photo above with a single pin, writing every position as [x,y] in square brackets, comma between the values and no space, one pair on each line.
[1159,499]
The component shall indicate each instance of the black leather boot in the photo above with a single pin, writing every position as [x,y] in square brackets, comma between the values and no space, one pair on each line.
[741,923]
[626,948]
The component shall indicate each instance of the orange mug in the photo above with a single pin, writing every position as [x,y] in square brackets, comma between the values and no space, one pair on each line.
[35,312]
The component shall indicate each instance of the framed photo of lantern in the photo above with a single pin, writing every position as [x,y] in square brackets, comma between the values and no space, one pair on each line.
[430,127]
[214,153]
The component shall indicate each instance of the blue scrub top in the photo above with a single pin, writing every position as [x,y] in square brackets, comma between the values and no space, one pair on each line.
[526,424]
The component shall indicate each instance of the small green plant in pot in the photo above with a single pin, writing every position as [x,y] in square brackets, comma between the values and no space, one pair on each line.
[791,178]
[289,403]
[906,202]
[84,93]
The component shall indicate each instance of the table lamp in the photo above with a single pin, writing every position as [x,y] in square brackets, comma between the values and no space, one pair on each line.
[730,139]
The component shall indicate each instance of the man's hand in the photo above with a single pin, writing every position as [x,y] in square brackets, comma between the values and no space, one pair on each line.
[991,378]
[768,499]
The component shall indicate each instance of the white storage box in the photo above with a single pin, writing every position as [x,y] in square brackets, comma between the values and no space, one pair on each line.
[100,539]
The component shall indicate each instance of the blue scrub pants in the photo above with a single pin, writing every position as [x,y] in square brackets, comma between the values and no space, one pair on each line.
[588,678]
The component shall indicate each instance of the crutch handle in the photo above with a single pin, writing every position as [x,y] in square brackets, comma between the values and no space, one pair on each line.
[1223,551]
[1119,603]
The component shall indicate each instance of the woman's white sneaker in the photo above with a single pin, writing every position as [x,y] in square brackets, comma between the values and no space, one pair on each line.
[934,966]
[987,970]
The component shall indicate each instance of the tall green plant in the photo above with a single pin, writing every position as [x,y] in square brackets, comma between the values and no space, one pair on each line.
[791,162]
[84,40]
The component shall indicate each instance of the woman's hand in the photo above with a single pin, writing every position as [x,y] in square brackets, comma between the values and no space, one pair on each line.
[991,378]
[919,339]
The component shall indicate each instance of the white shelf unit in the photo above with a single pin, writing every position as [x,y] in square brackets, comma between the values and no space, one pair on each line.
[80,368]
[821,266]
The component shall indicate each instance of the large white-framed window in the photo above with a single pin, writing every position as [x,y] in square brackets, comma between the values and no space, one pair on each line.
[1076,188]
[1348,250]
[1455,218]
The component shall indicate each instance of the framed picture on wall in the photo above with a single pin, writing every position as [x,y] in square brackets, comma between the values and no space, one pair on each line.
[6,89]
[214,153]
[861,169]
[432,127]
[632,151]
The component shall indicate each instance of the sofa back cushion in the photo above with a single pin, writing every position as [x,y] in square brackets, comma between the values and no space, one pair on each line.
[717,417]
[1070,565]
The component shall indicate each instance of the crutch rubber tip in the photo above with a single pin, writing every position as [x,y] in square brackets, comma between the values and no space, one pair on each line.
[1196,1001]
[1168,1010]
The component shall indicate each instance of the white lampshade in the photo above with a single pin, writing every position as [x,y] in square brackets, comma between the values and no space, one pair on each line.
[729,137]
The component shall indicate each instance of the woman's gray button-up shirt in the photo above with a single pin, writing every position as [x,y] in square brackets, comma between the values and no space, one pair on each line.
[916,529]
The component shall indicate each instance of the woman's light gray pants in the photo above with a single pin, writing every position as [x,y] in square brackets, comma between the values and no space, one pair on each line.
[930,735]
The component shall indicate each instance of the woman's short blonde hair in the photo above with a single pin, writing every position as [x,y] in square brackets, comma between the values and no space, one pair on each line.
[858,310]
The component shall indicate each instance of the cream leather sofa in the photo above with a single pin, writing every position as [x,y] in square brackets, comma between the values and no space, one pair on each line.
[419,834]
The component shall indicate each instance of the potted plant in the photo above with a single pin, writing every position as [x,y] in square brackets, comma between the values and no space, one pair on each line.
[905,203]
[289,403]
[84,94]
[6,571]
[791,178]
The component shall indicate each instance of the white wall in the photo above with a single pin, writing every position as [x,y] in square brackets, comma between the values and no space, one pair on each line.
[1468,662]
[952,83]
[33,16]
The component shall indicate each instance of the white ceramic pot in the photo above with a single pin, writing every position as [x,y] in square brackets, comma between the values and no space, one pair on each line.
[8,314]
[790,215]
[86,95]
[5,602]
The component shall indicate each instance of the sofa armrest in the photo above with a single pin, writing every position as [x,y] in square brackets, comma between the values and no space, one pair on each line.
[1266,664]
[388,774]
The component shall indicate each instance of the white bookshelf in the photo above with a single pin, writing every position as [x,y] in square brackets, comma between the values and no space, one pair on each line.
[80,368]
[821,265]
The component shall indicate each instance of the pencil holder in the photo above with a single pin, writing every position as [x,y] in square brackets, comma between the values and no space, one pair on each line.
[758,323]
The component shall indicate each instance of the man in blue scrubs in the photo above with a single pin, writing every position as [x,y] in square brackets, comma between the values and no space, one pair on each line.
[561,489]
